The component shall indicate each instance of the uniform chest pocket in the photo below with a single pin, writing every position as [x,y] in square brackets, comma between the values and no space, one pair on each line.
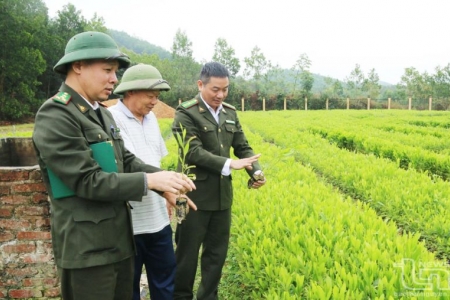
[230,128]
[207,128]
[95,135]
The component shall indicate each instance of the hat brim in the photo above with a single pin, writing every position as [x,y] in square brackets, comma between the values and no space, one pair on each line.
[86,54]
[148,84]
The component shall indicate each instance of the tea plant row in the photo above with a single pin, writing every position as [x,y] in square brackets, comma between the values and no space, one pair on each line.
[298,237]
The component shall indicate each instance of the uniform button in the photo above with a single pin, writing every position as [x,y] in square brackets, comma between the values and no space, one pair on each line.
[205,128]
[99,136]
[221,176]
[220,130]
[221,145]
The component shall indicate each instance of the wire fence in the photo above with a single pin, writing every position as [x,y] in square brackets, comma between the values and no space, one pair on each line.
[346,103]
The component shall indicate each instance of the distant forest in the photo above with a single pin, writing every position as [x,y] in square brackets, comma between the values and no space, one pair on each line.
[32,43]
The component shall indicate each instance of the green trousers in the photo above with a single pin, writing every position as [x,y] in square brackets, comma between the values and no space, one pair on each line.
[211,231]
[107,282]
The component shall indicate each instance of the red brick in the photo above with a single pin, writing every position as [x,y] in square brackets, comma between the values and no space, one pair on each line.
[6,211]
[12,175]
[8,282]
[6,236]
[53,292]
[14,224]
[36,258]
[14,199]
[35,175]
[27,282]
[19,248]
[34,235]
[31,210]
[24,293]
[28,271]
[51,282]
[4,190]
[28,187]
[42,222]
[40,198]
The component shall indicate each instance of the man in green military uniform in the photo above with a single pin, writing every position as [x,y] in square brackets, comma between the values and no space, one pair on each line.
[91,226]
[216,128]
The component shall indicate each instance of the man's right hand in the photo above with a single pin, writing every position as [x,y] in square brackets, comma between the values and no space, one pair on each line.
[244,162]
[169,181]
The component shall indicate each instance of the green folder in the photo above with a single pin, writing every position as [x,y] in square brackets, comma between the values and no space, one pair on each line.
[103,153]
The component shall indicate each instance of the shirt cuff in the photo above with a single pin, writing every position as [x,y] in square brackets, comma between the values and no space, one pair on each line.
[146,185]
[226,171]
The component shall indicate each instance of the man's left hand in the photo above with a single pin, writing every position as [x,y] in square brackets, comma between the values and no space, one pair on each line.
[172,200]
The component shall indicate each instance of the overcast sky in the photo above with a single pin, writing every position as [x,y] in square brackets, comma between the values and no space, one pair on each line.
[387,35]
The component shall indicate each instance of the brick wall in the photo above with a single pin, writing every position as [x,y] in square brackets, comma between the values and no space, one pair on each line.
[27,269]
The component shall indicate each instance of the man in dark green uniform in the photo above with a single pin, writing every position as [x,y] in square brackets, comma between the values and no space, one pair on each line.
[216,128]
[91,224]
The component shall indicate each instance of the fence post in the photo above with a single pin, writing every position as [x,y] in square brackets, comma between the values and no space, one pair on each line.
[242,104]
[284,105]
[389,103]
[326,104]
[430,101]
[368,103]
[264,104]
[348,103]
[306,103]
[409,103]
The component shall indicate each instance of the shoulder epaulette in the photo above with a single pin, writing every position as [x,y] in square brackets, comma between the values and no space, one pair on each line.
[228,106]
[62,97]
[189,103]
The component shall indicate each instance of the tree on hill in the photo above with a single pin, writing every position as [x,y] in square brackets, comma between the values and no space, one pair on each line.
[138,45]
[68,22]
[185,69]
[225,55]
[303,79]
[22,28]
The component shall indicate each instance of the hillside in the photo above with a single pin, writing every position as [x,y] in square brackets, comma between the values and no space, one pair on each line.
[138,45]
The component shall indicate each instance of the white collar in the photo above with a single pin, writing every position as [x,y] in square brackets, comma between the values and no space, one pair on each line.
[210,108]
[94,106]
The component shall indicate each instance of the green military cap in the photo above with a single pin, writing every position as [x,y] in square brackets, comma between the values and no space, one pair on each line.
[91,45]
[141,77]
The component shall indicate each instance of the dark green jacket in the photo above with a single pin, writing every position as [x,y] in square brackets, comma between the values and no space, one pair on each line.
[94,227]
[210,150]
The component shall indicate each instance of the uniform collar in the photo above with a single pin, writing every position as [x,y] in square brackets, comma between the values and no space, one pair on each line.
[79,100]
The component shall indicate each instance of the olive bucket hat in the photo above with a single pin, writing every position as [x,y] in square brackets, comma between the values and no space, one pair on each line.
[91,45]
[141,77]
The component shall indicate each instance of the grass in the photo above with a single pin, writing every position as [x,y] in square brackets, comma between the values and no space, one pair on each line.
[22,130]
